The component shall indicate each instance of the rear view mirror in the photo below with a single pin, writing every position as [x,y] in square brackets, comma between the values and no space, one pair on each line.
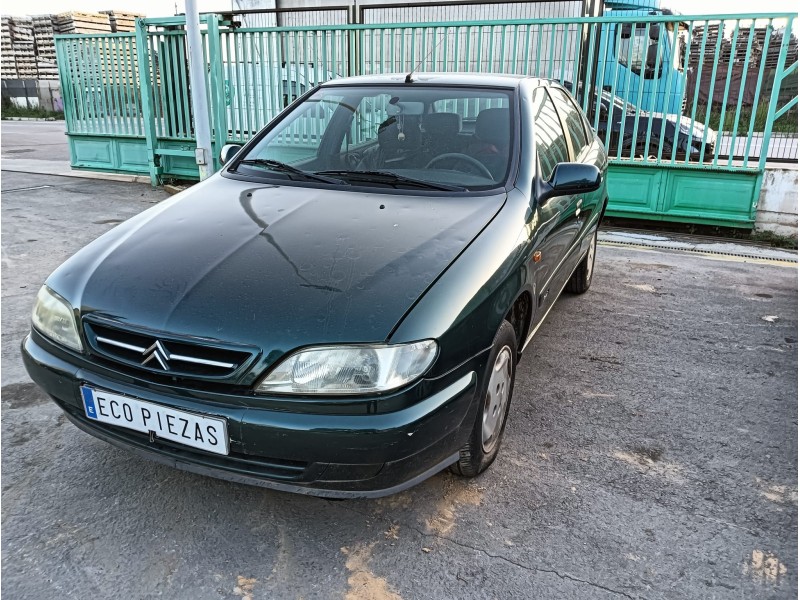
[572,178]
[228,152]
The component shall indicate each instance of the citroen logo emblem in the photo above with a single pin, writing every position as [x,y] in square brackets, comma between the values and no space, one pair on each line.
[157,353]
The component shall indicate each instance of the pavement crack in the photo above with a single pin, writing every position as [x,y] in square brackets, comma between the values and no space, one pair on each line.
[531,569]
[565,576]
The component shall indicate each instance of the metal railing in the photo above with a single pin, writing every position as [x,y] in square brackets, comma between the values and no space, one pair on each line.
[675,91]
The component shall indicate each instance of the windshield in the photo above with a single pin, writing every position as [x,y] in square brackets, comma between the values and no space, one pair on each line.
[407,136]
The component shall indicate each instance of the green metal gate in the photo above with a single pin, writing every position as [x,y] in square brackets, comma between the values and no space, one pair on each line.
[128,109]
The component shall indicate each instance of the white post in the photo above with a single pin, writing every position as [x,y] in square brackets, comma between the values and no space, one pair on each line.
[197,85]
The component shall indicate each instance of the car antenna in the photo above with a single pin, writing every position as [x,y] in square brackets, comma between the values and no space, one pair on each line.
[409,78]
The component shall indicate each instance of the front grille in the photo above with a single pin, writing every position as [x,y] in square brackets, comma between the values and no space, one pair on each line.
[165,354]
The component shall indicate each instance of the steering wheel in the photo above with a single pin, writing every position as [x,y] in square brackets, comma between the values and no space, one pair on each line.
[475,164]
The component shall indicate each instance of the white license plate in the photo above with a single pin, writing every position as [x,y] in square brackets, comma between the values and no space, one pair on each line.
[206,433]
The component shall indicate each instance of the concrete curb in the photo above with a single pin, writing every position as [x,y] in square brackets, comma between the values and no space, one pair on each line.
[31,119]
[62,169]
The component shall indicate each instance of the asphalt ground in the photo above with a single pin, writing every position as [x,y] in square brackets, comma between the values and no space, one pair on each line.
[651,452]
[35,140]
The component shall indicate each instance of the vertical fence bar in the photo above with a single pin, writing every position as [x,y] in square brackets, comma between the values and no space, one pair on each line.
[94,84]
[76,78]
[248,75]
[65,79]
[479,49]
[759,81]
[526,56]
[183,68]
[588,84]
[605,38]
[654,94]
[776,88]
[219,113]
[700,64]
[178,109]
[742,88]
[685,82]
[122,75]
[615,78]
[70,83]
[734,40]
[564,35]
[668,93]
[712,86]
[169,91]
[148,124]
[539,31]
[642,83]
[575,75]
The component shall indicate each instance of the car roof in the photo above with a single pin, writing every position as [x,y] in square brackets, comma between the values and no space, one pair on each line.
[465,79]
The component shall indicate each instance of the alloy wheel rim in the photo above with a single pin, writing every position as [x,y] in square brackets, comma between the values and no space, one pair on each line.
[590,257]
[496,400]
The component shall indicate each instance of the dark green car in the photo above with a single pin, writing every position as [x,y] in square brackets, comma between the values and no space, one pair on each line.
[341,309]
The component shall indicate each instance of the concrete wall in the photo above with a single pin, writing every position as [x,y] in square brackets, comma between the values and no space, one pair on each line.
[777,204]
[30,93]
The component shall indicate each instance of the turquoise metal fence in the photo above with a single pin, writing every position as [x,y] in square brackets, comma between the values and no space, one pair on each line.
[687,105]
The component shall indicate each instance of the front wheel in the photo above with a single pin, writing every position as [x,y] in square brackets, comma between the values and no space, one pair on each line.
[582,276]
[484,441]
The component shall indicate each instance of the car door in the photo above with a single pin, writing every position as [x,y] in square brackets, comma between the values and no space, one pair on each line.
[575,129]
[557,218]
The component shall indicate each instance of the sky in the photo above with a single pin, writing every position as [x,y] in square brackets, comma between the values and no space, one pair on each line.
[156,8]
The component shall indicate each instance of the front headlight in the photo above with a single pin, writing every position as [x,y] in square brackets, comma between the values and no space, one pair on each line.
[350,369]
[53,317]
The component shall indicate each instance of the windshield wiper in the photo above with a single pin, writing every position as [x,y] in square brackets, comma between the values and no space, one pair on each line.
[282,167]
[389,177]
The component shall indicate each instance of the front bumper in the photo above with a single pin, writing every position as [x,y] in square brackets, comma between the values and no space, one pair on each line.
[316,453]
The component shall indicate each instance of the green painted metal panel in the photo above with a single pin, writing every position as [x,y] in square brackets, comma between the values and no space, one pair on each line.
[703,196]
[92,152]
[132,155]
[714,195]
[634,191]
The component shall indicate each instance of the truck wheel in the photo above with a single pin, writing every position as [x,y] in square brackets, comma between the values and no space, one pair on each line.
[484,441]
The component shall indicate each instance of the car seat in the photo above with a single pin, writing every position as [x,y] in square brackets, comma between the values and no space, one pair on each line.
[491,142]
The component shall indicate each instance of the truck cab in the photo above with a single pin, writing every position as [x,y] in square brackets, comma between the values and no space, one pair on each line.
[638,62]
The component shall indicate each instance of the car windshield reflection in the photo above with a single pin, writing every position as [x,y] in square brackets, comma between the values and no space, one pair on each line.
[426,138]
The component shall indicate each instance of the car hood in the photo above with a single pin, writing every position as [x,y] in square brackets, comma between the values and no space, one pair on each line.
[273,266]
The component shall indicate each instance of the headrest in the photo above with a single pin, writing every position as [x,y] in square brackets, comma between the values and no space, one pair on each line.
[441,123]
[493,125]
[389,137]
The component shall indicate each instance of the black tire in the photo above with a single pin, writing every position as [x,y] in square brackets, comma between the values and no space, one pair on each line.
[477,454]
[581,278]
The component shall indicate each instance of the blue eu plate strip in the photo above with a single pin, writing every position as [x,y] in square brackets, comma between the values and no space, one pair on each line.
[88,402]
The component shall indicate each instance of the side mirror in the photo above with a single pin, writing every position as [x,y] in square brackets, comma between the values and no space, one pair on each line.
[228,152]
[572,178]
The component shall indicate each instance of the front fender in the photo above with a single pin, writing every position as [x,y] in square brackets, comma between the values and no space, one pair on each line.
[465,307]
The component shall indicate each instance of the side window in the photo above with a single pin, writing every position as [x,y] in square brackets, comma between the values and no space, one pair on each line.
[572,117]
[551,145]
[638,46]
